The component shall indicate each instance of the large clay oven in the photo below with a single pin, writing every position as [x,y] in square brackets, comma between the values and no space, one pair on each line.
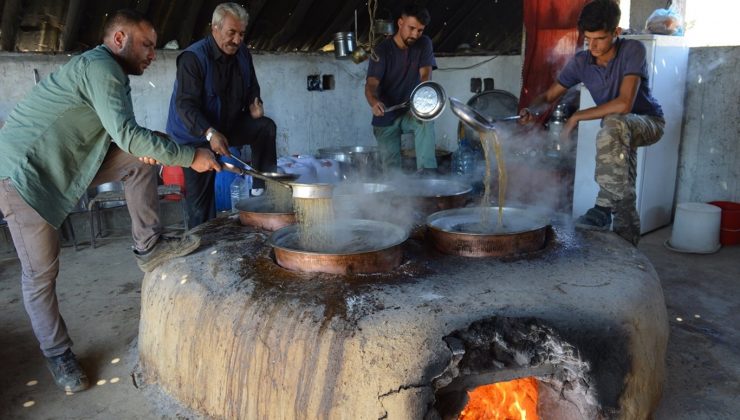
[230,334]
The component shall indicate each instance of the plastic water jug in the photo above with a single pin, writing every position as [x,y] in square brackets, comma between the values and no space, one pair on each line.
[239,189]
[464,159]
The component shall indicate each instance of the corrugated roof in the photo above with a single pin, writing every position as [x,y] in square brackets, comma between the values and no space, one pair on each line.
[457,27]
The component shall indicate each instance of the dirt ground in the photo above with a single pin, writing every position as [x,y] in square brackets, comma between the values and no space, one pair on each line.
[99,291]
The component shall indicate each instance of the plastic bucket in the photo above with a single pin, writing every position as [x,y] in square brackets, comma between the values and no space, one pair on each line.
[173,175]
[696,228]
[729,233]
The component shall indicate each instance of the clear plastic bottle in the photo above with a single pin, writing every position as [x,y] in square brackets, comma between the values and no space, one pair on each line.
[463,160]
[237,190]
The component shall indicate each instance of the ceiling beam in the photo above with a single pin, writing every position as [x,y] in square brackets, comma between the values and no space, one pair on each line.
[9,24]
[291,25]
[71,25]
[185,34]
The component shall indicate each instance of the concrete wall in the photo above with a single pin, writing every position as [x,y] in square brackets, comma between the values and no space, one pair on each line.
[306,120]
[709,162]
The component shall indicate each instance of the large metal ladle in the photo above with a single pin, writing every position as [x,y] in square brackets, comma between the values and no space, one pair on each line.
[470,116]
[475,119]
[426,102]
[299,190]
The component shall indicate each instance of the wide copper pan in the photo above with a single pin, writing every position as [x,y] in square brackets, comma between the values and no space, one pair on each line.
[376,249]
[523,231]
[360,200]
[432,195]
[260,213]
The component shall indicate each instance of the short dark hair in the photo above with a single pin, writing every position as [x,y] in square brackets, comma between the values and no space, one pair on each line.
[125,17]
[417,11]
[599,15]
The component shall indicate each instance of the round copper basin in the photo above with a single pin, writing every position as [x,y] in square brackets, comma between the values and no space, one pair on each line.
[432,195]
[460,232]
[261,213]
[356,246]
[360,200]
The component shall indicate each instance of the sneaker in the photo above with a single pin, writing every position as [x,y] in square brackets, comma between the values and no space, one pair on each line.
[166,248]
[256,192]
[67,372]
[595,219]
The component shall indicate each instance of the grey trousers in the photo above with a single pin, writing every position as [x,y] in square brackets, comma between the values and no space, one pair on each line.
[37,242]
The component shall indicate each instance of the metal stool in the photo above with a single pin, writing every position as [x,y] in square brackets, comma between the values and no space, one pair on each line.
[94,206]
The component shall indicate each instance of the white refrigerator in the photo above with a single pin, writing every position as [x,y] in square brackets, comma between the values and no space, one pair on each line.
[657,165]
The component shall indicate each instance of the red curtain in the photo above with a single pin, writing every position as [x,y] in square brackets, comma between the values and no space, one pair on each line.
[551,39]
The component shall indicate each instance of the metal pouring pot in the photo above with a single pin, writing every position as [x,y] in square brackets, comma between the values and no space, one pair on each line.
[312,190]
[355,162]
[427,101]
[299,190]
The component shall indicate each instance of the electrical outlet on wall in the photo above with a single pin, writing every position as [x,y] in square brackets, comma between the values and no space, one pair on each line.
[313,82]
[488,83]
[475,84]
[327,82]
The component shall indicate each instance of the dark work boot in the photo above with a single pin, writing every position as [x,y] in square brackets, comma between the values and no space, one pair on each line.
[166,248]
[67,372]
[595,219]
[627,224]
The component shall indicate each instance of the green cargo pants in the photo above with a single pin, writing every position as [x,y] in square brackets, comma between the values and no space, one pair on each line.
[389,142]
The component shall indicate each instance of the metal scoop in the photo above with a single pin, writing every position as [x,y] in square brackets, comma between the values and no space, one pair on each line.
[267,176]
[299,190]
[426,102]
[471,117]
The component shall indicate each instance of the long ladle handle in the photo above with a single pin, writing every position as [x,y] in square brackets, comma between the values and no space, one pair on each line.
[395,107]
[248,170]
[512,118]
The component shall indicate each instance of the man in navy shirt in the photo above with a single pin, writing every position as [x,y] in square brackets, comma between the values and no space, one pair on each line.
[614,70]
[404,61]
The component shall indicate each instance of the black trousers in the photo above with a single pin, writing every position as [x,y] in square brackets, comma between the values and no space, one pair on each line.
[259,134]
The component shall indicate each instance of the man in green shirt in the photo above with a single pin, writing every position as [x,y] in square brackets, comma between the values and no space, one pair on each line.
[75,129]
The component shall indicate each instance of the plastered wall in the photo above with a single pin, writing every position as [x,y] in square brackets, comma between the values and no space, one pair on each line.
[306,120]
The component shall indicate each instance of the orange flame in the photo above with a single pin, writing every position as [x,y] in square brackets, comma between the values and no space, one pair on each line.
[513,400]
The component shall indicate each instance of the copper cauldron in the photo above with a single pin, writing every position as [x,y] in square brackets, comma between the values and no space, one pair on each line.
[357,246]
[461,232]
[429,195]
[261,213]
[361,200]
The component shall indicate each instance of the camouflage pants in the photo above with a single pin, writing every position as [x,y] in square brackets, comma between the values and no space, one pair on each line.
[616,166]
